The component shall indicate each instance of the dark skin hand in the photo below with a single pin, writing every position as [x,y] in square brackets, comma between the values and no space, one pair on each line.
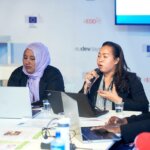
[110,128]
[117,121]
[113,125]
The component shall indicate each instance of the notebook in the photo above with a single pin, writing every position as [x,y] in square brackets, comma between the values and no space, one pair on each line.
[85,110]
[15,103]
[84,134]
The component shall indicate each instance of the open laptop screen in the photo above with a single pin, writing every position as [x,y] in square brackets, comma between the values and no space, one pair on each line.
[84,108]
[15,102]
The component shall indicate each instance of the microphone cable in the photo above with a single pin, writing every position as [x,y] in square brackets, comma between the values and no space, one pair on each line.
[45,131]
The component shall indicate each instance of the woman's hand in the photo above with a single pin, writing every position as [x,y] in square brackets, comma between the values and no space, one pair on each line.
[88,78]
[113,124]
[110,95]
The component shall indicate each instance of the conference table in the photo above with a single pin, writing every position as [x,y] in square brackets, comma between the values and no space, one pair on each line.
[25,133]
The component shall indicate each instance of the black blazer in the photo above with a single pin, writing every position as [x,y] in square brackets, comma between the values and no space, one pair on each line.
[136,125]
[51,80]
[134,100]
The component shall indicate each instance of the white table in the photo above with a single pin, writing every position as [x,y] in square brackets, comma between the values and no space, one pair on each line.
[32,127]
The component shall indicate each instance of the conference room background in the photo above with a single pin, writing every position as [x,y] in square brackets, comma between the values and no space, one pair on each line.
[73,30]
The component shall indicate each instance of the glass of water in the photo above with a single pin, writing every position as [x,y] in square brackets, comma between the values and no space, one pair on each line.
[119,107]
[47,110]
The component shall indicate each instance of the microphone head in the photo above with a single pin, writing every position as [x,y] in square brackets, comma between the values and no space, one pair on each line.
[94,78]
[97,71]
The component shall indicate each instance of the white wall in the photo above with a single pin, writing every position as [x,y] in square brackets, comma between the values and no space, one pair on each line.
[74,30]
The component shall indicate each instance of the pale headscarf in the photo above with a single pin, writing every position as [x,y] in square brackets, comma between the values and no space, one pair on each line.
[42,60]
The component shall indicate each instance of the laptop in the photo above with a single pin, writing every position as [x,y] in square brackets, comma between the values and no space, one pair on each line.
[84,107]
[55,100]
[85,110]
[70,108]
[15,103]
[84,134]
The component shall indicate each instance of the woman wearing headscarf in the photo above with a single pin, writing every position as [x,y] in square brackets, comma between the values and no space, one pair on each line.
[37,74]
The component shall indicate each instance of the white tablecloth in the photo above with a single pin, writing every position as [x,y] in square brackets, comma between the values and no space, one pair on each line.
[29,131]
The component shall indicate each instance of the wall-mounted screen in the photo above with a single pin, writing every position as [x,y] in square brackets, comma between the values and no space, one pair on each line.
[136,12]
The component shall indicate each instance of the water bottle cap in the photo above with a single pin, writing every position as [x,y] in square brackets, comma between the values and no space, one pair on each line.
[57,134]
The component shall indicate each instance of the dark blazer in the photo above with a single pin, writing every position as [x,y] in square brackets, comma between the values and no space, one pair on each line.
[134,100]
[51,80]
[136,125]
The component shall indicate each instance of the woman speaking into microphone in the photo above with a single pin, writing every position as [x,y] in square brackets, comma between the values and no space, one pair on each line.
[112,82]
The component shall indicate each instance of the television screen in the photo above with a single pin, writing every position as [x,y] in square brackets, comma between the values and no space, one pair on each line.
[128,12]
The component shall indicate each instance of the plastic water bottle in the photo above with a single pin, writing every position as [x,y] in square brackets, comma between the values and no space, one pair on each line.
[57,143]
[47,110]
[63,128]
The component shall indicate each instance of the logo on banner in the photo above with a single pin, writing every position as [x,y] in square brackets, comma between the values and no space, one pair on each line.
[92,21]
[87,49]
[32,19]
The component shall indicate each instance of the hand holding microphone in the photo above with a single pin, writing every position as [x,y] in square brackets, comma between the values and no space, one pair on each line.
[90,78]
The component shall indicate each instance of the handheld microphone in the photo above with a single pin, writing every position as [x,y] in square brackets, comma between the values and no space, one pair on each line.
[97,71]
[87,89]
[95,78]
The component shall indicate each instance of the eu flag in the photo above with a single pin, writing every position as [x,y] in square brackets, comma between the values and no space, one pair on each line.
[32,19]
